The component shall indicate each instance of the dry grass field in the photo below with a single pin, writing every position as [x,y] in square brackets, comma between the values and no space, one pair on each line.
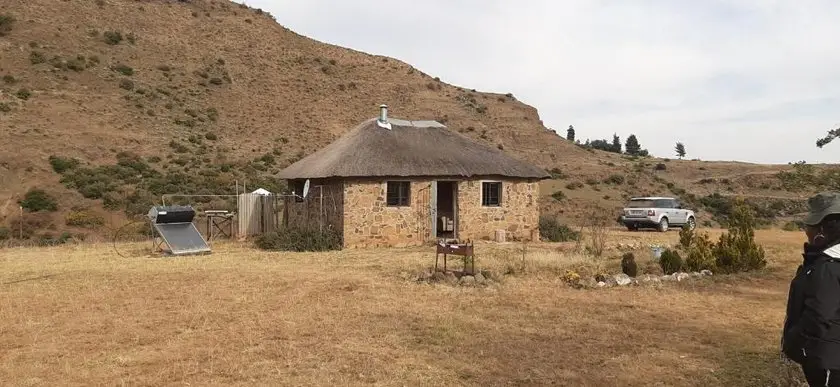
[90,315]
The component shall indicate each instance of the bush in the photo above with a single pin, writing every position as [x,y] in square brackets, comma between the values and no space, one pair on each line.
[553,231]
[24,94]
[615,179]
[300,239]
[660,167]
[38,200]
[37,57]
[793,226]
[628,264]
[63,164]
[670,261]
[5,233]
[6,22]
[82,218]
[736,250]
[127,84]
[123,69]
[574,185]
[701,253]
[559,196]
[112,37]
[5,107]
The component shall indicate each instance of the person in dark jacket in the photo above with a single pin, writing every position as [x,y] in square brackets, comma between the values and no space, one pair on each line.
[811,333]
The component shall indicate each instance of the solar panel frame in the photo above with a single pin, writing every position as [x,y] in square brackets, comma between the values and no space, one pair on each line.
[182,238]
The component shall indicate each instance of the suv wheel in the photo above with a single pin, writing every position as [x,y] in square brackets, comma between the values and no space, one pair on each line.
[663,225]
[691,224]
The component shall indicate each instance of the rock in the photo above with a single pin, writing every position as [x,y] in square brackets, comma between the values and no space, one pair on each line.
[610,281]
[488,274]
[451,278]
[668,277]
[479,278]
[588,283]
[649,278]
[438,276]
[682,276]
[622,279]
[705,272]
[467,280]
[696,274]
[601,284]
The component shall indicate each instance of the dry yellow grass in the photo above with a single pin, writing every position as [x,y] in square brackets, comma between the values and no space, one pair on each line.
[83,315]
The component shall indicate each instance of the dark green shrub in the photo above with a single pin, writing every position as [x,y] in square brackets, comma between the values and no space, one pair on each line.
[63,164]
[37,57]
[211,136]
[127,84]
[628,264]
[614,179]
[553,231]
[112,37]
[574,185]
[5,107]
[300,239]
[123,69]
[9,79]
[83,218]
[559,196]
[24,94]
[736,250]
[701,253]
[37,199]
[670,261]
[5,233]
[6,23]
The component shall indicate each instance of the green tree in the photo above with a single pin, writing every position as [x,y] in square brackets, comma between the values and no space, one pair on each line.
[37,199]
[680,148]
[631,146]
[616,144]
[570,133]
[832,134]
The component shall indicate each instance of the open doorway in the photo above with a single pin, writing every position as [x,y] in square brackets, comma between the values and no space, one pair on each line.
[447,209]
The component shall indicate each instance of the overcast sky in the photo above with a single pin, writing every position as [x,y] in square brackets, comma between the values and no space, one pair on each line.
[750,80]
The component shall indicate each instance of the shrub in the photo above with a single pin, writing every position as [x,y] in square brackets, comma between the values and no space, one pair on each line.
[574,185]
[701,253]
[552,230]
[211,136]
[557,173]
[5,107]
[300,239]
[686,235]
[737,250]
[37,57]
[112,37]
[793,226]
[62,164]
[5,233]
[670,261]
[127,84]
[9,79]
[82,218]
[660,167]
[38,200]
[559,196]
[628,264]
[6,23]
[24,94]
[615,179]
[123,69]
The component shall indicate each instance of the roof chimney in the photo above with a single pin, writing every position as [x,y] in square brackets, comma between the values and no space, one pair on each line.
[383,113]
[383,117]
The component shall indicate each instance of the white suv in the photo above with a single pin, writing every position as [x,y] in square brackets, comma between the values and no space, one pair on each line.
[656,212]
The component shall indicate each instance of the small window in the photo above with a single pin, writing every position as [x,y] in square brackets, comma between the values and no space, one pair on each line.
[398,193]
[491,194]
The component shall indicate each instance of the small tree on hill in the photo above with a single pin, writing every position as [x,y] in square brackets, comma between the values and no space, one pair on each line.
[680,148]
[570,133]
[616,144]
[37,199]
[631,146]
[832,134]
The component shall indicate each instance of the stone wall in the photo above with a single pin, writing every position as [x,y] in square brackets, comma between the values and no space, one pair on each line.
[307,213]
[369,222]
[518,213]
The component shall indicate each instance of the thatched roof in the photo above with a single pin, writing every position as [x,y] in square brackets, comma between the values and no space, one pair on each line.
[409,148]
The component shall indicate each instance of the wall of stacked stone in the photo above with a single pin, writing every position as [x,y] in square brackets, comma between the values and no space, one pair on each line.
[369,222]
[518,213]
[306,213]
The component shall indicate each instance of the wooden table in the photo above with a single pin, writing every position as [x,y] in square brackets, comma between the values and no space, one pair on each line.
[465,250]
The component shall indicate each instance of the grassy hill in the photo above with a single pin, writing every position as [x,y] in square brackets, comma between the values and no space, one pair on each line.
[107,104]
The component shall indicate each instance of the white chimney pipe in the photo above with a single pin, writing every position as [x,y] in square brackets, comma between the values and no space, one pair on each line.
[383,113]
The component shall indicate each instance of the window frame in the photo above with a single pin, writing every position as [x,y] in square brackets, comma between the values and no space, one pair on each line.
[500,195]
[407,196]
[298,183]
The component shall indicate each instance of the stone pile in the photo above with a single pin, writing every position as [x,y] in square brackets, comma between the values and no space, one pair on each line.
[607,281]
[457,278]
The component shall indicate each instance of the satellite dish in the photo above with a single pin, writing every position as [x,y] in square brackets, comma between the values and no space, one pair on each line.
[305,188]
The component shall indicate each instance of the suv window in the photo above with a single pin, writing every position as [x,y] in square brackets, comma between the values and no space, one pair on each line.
[664,203]
[640,203]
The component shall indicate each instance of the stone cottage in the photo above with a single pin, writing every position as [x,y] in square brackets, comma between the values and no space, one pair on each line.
[395,183]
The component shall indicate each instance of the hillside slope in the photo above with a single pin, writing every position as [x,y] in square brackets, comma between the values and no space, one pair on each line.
[107,104]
